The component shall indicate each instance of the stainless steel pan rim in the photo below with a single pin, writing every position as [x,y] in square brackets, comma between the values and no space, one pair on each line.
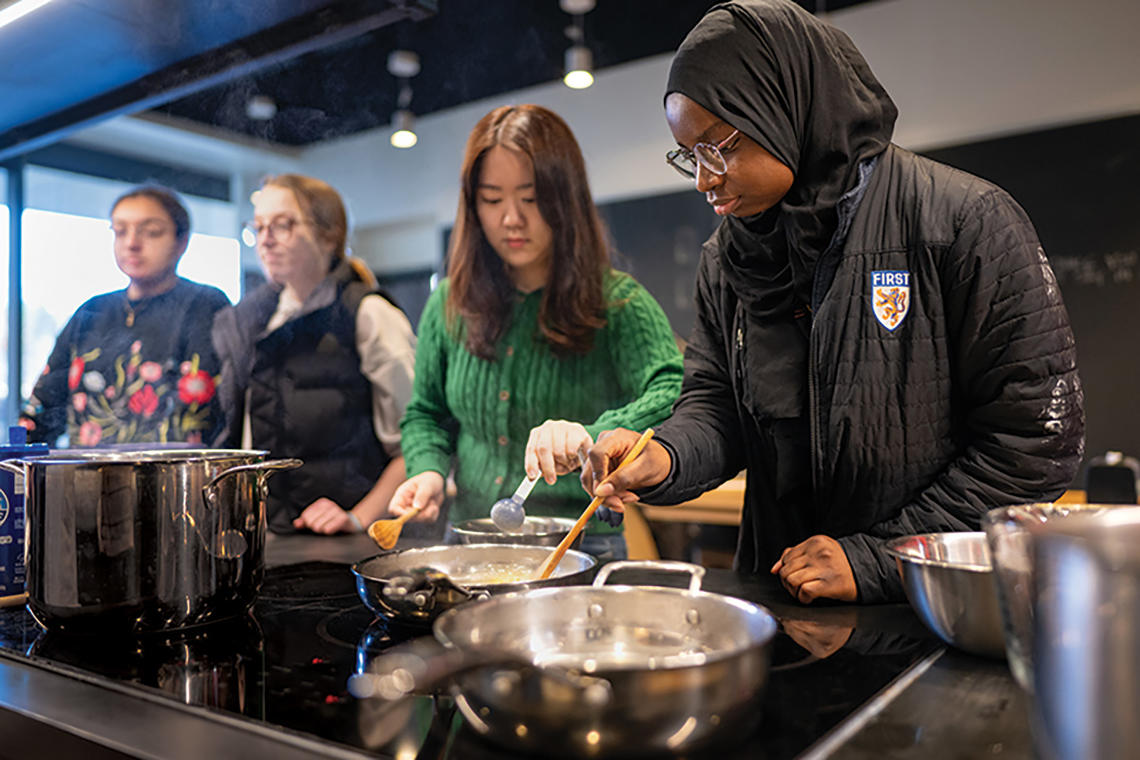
[398,585]
[383,566]
[909,549]
[600,604]
[535,531]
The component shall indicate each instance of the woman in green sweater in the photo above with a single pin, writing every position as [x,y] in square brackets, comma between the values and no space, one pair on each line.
[533,344]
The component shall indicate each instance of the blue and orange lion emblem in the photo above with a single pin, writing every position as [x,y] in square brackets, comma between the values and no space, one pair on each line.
[890,297]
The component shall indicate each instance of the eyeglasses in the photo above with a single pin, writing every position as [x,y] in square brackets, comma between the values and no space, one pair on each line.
[707,155]
[281,228]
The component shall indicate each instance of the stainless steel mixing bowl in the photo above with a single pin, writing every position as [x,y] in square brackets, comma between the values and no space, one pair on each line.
[949,582]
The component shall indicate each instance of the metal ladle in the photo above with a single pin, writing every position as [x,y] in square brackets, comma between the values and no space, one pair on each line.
[507,514]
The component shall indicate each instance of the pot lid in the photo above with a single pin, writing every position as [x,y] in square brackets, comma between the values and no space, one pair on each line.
[133,454]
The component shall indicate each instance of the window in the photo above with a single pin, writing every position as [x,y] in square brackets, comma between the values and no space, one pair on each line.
[4,421]
[68,258]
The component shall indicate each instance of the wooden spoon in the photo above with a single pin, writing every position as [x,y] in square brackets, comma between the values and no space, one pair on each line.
[560,550]
[387,532]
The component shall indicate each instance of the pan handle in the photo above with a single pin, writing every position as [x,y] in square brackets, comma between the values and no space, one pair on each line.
[421,587]
[696,572]
[422,664]
[263,470]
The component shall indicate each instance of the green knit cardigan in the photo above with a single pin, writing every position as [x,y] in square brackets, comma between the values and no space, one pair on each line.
[476,415]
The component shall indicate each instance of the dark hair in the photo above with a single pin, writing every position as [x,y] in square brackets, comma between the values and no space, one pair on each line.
[572,307]
[170,201]
[324,206]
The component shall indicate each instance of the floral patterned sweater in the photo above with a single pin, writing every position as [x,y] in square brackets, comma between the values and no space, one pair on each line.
[127,371]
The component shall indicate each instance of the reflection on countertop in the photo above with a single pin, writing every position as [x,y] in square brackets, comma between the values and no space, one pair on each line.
[293,548]
[280,689]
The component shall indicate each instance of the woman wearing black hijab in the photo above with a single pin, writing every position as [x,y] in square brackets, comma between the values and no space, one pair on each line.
[880,340]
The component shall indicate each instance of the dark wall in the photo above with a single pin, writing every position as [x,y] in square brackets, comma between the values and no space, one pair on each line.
[1081,187]
[658,240]
[409,291]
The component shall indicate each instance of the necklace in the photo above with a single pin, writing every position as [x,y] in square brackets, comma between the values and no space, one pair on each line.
[131,310]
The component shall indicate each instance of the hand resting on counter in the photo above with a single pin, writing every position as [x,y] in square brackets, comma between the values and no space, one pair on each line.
[327,517]
[816,569]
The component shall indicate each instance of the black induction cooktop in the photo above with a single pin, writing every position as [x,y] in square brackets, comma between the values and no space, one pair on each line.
[286,667]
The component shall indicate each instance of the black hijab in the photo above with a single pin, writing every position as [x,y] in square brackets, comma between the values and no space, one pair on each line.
[800,89]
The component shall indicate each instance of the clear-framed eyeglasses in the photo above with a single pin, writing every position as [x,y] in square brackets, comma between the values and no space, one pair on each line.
[280,227]
[707,155]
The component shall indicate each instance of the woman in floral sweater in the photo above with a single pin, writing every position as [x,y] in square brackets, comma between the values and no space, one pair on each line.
[135,365]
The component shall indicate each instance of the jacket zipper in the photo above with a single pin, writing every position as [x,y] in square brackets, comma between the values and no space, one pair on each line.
[813,413]
[819,290]
[739,362]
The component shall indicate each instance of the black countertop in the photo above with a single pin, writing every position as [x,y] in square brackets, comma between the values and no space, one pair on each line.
[848,681]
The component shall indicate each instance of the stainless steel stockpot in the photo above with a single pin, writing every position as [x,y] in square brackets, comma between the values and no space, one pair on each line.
[1085,598]
[1011,546]
[144,540]
[589,671]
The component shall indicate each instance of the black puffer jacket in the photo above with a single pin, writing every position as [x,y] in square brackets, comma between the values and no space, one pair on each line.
[972,401]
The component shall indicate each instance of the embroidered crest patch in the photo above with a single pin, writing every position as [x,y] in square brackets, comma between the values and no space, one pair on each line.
[890,297]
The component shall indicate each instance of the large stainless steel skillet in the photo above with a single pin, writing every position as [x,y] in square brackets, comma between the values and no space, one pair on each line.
[584,671]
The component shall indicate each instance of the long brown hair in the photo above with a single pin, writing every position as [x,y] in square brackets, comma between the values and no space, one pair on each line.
[323,205]
[572,308]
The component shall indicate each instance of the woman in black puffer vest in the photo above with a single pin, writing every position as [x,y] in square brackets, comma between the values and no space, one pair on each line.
[316,364]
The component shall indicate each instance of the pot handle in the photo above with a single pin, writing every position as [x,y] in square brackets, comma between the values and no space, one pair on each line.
[14,466]
[263,470]
[422,664]
[696,572]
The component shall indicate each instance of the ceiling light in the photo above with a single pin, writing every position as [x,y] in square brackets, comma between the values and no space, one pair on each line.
[579,67]
[579,60]
[19,9]
[404,135]
[576,7]
[260,108]
[403,64]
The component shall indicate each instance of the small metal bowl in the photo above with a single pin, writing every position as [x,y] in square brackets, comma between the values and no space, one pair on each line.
[535,531]
[949,581]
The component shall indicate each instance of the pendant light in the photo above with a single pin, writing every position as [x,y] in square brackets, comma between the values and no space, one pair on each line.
[579,62]
[403,64]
